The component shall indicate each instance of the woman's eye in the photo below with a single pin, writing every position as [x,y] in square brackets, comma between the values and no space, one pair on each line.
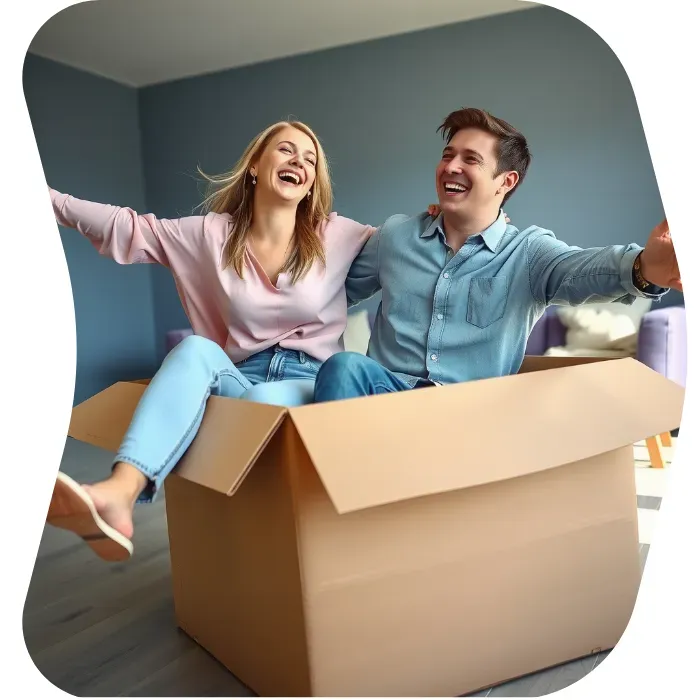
[311,163]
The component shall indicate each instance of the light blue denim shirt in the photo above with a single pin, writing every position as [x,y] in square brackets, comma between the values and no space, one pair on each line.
[453,318]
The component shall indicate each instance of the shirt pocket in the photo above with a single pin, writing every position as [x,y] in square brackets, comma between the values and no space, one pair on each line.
[487,300]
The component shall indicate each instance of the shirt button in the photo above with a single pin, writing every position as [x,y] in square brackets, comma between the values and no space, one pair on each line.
[439,317]
[433,357]
[446,275]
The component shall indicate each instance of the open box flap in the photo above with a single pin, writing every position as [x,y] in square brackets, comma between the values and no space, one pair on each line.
[382,449]
[232,435]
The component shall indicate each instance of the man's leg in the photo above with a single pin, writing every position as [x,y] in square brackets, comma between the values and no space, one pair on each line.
[347,375]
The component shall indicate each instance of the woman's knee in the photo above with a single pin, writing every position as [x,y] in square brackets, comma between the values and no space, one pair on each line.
[196,348]
[196,344]
[287,392]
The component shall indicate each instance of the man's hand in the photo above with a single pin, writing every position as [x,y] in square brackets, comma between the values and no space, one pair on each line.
[434,211]
[658,259]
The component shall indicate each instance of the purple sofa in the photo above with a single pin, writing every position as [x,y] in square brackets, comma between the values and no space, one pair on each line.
[661,344]
[173,338]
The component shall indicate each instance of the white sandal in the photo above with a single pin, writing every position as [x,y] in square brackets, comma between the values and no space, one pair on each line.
[72,509]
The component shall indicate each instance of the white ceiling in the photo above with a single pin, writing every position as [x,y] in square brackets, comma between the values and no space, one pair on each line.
[144,42]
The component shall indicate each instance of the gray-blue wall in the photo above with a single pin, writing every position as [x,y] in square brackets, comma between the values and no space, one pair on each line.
[87,132]
[376,107]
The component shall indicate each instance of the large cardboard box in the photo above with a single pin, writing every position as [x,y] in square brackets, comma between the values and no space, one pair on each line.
[429,543]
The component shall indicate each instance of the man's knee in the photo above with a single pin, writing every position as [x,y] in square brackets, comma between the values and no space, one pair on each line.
[343,375]
[343,362]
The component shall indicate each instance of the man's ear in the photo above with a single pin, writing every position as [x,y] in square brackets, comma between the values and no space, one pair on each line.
[509,180]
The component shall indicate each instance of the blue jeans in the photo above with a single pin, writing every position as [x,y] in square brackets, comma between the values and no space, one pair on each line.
[347,375]
[171,409]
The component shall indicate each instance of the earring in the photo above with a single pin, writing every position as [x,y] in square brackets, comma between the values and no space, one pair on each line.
[254,179]
[308,195]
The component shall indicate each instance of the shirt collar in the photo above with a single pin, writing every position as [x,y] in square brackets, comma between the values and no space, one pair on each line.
[491,236]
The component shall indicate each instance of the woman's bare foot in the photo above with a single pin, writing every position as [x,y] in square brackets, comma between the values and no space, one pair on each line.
[101,513]
[115,497]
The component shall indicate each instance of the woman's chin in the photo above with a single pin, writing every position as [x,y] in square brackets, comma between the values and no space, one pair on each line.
[285,196]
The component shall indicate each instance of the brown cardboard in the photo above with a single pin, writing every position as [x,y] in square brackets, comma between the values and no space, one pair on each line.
[428,543]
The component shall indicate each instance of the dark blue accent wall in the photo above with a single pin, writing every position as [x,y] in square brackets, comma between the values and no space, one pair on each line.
[87,132]
[377,105]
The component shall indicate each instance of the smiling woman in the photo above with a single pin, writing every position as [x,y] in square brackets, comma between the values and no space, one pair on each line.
[261,275]
[284,165]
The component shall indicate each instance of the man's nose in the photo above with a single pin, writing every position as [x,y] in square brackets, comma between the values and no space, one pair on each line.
[453,166]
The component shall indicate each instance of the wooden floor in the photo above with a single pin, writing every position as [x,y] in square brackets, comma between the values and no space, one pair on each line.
[95,629]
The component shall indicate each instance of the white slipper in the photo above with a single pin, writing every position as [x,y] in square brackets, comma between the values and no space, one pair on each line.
[72,509]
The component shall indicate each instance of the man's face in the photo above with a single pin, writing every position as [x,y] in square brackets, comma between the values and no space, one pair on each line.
[466,181]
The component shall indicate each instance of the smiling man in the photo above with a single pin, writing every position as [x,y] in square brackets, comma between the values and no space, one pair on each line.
[461,292]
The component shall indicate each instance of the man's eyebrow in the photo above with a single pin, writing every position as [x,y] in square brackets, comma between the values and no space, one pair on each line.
[464,151]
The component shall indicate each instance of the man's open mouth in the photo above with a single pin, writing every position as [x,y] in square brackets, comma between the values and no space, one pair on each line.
[454,188]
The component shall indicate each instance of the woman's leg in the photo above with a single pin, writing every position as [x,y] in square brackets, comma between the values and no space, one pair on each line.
[287,392]
[164,424]
[286,378]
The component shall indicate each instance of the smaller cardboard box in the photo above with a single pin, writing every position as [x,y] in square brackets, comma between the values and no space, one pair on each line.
[428,543]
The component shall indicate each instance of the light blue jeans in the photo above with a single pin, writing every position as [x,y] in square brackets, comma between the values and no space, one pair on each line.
[171,409]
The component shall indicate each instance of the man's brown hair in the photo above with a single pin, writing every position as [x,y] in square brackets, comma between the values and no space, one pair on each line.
[512,152]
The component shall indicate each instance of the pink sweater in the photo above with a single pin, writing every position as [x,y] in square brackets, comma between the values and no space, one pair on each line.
[244,316]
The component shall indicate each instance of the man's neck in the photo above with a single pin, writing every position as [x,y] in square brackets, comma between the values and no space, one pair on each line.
[458,230]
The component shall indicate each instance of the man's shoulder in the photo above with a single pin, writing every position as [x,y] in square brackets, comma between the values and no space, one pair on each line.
[529,235]
[530,231]
[403,223]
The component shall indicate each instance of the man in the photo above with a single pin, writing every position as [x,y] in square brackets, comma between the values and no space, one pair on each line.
[461,293]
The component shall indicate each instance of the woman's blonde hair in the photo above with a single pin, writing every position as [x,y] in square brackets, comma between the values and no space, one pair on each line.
[232,193]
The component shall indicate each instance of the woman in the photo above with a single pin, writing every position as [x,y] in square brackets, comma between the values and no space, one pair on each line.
[261,277]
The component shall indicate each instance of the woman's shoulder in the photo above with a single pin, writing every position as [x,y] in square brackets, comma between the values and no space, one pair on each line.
[342,226]
[216,226]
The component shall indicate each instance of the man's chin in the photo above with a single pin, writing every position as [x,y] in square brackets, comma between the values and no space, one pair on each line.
[448,204]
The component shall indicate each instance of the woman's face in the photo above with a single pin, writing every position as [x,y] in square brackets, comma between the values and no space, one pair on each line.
[287,167]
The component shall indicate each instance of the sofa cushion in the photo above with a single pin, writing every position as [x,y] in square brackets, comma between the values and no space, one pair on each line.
[604,327]
[357,332]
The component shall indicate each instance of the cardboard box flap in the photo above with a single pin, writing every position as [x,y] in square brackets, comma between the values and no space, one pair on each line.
[103,419]
[232,435]
[536,363]
[394,447]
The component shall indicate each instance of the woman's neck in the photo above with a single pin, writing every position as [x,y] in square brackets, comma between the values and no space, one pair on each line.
[273,224]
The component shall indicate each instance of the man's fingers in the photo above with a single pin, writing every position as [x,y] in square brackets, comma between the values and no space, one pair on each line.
[662,229]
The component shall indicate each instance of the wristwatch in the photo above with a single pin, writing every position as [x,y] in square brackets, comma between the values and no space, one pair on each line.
[639,280]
